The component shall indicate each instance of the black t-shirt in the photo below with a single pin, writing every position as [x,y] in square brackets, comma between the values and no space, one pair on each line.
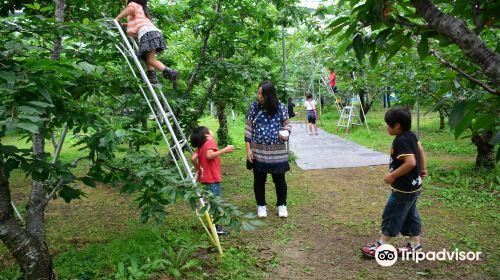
[291,114]
[406,145]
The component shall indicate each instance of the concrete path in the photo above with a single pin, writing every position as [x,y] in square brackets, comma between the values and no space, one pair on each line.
[326,150]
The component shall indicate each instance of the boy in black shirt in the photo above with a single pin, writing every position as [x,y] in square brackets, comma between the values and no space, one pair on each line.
[406,170]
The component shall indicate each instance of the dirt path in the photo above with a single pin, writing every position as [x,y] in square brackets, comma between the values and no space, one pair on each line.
[332,214]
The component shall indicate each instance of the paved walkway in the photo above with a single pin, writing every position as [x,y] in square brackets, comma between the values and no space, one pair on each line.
[326,150]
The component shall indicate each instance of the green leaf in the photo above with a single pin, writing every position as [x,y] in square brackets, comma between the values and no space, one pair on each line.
[462,115]
[484,122]
[68,193]
[423,48]
[35,6]
[374,58]
[45,93]
[359,47]
[88,181]
[40,104]
[457,113]
[32,118]
[31,127]
[382,36]
[464,123]
[7,76]
[339,21]
[29,110]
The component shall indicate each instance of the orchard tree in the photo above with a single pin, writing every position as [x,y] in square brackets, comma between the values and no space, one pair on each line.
[76,85]
[461,35]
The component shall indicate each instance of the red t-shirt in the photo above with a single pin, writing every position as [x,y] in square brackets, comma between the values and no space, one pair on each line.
[332,79]
[209,169]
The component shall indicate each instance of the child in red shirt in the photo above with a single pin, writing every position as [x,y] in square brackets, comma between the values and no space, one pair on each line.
[206,160]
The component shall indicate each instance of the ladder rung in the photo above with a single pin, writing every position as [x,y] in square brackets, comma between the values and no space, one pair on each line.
[182,143]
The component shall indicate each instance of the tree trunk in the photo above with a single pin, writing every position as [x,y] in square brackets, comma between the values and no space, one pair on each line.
[202,105]
[458,32]
[365,105]
[441,118]
[36,205]
[31,254]
[222,132]
[144,124]
[485,151]
[59,16]
[203,50]
[39,266]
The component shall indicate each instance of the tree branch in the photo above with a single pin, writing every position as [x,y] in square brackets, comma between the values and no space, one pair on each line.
[457,31]
[60,183]
[411,24]
[203,50]
[469,77]
[58,148]
[475,17]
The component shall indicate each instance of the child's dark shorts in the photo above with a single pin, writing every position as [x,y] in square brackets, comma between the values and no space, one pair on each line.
[311,117]
[401,215]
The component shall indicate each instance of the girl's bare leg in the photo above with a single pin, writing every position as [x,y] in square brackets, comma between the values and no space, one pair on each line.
[153,62]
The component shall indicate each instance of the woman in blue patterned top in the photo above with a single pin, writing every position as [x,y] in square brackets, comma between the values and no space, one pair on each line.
[267,129]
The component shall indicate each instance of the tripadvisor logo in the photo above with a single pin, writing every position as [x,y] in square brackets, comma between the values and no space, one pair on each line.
[387,255]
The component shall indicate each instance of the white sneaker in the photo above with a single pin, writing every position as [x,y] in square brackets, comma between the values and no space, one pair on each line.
[261,211]
[282,212]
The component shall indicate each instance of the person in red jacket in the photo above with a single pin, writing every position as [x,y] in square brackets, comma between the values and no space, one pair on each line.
[333,80]
[206,160]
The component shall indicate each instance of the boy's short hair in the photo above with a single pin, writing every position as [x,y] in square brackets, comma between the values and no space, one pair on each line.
[199,136]
[398,115]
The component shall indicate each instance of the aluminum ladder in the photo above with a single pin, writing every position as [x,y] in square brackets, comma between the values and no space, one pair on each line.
[169,126]
[349,117]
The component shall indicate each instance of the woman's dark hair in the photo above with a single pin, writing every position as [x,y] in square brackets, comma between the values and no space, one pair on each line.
[398,115]
[199,136]
[290,100]
[144,4]
[271,101]
[308,95]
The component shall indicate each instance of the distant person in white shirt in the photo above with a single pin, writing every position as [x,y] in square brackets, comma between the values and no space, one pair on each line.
[312,115]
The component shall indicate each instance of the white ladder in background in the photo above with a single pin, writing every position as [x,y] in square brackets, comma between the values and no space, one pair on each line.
[349,117]
[166,117]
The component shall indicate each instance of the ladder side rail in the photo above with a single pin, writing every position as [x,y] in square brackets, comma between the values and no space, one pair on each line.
[166,104]
[174,137]
[157,102]
[152,111]
[325,84]
[176,122]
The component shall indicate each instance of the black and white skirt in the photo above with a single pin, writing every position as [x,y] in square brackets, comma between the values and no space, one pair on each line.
[152,40]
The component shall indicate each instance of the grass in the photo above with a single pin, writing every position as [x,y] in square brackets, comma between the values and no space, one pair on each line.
[440,145]
[99,237]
